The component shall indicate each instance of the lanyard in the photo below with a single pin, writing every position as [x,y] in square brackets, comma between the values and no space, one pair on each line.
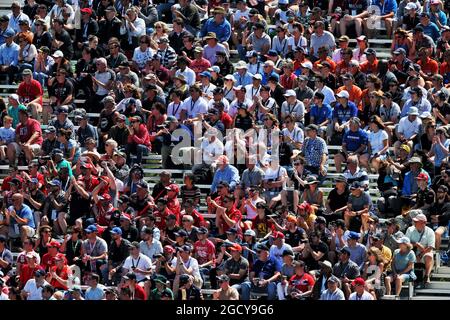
[257,90]
[175,111]
[226,92]
[284,45]
[291,110]
[85,30]
[92,247]
[192,105]
[137,263]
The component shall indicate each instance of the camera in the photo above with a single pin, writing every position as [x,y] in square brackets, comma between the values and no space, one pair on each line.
[162,126]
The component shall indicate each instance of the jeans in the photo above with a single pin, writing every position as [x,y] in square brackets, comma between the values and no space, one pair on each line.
[270,289]
[41,77]
[139,149]
[164,9]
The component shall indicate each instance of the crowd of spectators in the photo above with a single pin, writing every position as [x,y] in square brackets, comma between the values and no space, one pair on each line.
[259,94]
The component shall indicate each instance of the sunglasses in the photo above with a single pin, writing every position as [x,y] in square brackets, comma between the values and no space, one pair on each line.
[143,42]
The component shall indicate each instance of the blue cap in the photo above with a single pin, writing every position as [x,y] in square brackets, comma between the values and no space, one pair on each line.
[115,230]
[205,74]
[272,53]
[9,33]
[181,233]
[91,228]
[34,180]
[55,182]
[353,235]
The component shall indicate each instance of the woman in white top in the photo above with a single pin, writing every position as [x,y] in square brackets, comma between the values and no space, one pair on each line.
[143,53]
[297,39]
[358,53]
[373,270]
[58,10]
[27,52]
[378,144]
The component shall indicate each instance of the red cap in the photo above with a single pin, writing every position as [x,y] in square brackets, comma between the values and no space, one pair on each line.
[422,176]
[278,235]
[86,10]
[169,249]
[54,244]
[236,247]
[125,216]
[358,282]
[173,187]
[106,196]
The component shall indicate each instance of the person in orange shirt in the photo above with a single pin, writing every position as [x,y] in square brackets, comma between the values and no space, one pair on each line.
[344,66]
[299,58]
[428,66]
[355,92]
[373,84]
[371,65]
[323,56]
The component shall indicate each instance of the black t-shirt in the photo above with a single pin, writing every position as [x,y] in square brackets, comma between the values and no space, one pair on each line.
[320,247]
[286,152]
[444,110]
[338,201]
[73,249]
[106,121]
[39,196]
[79,206]
[293,238]
[118,253]
[411,22]
[132,234]
[62,90]
[67,47]
[424,197]
[244,123]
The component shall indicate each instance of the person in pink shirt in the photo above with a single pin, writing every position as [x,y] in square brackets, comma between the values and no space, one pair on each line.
[138,140]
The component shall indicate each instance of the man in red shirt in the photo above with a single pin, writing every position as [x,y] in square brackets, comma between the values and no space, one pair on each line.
[30,93]
[227,216]
[28,270]
[59,273]
[301,283]
[48,260]
[428,66]
[190,210]
[172,201]
[223,189]
[90,181]
[28,137]
[204,249]
[226,119]
[162,213]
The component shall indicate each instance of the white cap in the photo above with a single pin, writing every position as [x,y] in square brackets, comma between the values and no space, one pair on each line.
[307,65]
[14,97]
[269,63]
[290,93]
[411,6]
[343,94]
[230,77]
[58,54]
[257,76]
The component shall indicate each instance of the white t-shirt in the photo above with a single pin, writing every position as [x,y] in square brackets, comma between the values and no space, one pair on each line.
[200,106]
[329,95]
[233,106]
[302,42]
[142,262]
[297,110]
[191,263]
[208,90]
[188,74]
[297,134]
[251,91]
[277,253]
[365,296]
[103,77]
[275,174]
[376,140]
[211,150]
[35,292]
[141,57]
[174,109]
[238,14]
[251,214]
[409,128]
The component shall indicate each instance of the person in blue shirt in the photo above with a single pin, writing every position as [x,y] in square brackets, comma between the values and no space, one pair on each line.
[387,10]
[225,172]
[21,220]
[217,24]
[343,111]
[242,76]
[9,56]
[436,15]
[262,278]
[429,28]
[269,71]
[355,142]
[410,186]
[4,20]
[321,113]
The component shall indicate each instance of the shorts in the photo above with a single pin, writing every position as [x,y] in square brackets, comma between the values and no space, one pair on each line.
[15,232]
[36,148]
[428,254]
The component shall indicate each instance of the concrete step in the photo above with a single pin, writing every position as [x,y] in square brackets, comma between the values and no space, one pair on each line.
[435,292]
[440,277]
[428,298]
[443,270]
[445,285]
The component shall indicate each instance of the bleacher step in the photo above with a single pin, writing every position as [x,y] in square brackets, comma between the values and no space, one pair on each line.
[428,298]
[436,292]
[443,270]
[438,285]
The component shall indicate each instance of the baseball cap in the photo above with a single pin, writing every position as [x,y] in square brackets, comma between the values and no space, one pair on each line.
[307,65]
[105,197]
[272,53]
[91,228]
[290,93]
[180,233]
[55,182]
[358,282]
[232,231]
[173,187]
[250,232]
[370,51]
[411,6]
[404,240]
[116,230]
[9,33]
[223,277]
[236,247]
[343,94]
[422,176]
[257,76]
[58,54]
[130,276]
[54,244]
[353,235]
[400,50]
[277,235]
[251,54]
[205,74]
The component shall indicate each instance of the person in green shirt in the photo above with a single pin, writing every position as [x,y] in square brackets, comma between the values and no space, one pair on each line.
[58,162]
[161,289]
[14,108]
